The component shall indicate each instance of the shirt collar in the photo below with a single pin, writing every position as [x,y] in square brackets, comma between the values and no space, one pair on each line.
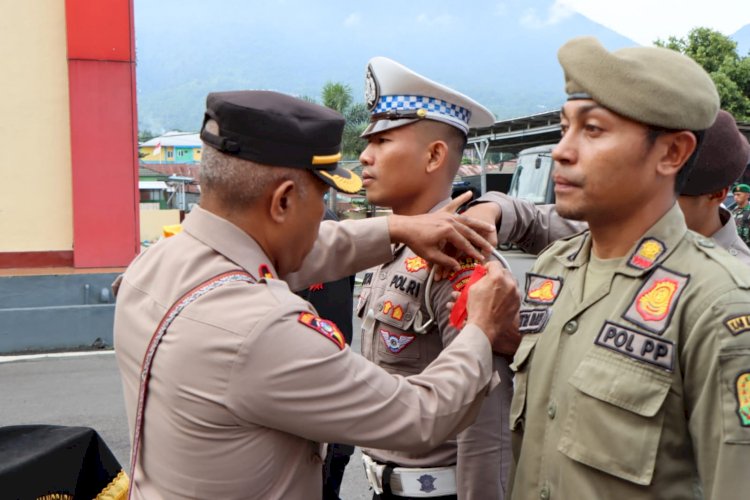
[656,244]
[228,240]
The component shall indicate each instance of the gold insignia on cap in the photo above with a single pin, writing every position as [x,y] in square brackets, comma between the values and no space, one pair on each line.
[351,185]
[326,159]
[421,112]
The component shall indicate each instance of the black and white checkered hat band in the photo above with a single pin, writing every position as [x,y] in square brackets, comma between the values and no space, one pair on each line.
[431,104]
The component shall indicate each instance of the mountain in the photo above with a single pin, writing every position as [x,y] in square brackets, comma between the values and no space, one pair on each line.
[503,54]
[742,37]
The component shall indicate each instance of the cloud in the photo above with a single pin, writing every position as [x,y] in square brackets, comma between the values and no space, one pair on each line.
[557,12]
[354,19]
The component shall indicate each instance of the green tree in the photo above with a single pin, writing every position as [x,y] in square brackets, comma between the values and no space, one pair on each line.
[718,56]
[338,96]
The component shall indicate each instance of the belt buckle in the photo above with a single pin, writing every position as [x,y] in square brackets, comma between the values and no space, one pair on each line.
[371,471]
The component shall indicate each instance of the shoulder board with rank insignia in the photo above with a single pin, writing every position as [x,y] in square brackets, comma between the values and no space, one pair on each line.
[542,290]
[646,254]
[656,300]
[324,327]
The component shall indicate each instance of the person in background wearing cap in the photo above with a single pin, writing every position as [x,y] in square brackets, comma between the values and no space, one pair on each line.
[416,140]
[719,161]
[741,212]
[633,373]
[230,380]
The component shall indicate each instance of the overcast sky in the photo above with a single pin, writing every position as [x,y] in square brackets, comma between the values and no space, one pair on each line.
[646,20]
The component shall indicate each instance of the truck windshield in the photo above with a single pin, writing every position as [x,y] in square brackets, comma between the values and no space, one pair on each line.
[532,177]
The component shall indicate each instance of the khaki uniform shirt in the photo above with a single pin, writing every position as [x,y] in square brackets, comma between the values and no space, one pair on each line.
[642,389]
[392,305]
[243,391]
[533,227]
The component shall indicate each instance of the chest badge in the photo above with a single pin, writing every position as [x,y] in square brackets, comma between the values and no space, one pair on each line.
[415,264]
[396,342]
[646,254]
[738,324]
[542,290]
[743,398]
[656,300]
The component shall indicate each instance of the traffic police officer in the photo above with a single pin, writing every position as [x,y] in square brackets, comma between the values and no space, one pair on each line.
[416,140]
[633,373]
[230,380]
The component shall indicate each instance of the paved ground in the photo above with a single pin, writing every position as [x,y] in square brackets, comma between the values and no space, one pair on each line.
[84,390]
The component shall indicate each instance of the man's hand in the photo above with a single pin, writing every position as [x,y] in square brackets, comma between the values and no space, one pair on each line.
[493,306]
[486,212]
[441,235]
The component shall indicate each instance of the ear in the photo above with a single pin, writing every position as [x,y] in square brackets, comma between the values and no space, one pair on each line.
[437,156]
[720,195]
[282,200]
[678,148]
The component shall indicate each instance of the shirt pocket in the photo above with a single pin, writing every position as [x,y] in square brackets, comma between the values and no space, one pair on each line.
[616,415]
[520,377]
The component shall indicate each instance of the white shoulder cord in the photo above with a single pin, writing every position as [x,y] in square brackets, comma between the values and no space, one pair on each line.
[422,328]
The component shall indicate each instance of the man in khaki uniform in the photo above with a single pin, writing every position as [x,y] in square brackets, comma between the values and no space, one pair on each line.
[248,383]
[722,158]
[633,373]
[416,140]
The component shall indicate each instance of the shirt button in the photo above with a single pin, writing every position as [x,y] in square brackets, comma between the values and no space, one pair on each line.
[552,410]
[571,326]
[382,275]
[544,493]
[733,251]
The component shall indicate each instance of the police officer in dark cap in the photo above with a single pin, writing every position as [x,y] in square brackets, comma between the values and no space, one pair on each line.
[741,212]
[231,381]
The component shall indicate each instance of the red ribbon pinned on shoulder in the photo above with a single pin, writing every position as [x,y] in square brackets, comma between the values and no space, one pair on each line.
[458,314]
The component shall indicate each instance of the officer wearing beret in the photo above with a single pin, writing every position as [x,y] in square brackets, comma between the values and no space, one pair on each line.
[232,383]
[720,160]
[633,372]
[741,212]
[415,141]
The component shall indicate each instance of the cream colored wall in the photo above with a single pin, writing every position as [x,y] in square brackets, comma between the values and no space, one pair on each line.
[152,222]
[36,212]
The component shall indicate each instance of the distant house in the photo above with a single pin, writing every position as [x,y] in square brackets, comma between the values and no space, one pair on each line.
[172,147]
[153,189]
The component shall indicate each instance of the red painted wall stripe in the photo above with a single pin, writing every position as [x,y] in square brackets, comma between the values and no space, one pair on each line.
[103,132]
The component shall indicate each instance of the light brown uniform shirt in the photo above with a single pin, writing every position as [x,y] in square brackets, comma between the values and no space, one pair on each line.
[392,303]
[640,390]
[242,393]
[533,227]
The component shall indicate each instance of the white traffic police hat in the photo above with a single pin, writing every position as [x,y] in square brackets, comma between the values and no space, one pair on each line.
[397,96]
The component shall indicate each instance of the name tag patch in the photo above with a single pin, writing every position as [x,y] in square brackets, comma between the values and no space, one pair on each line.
[646,254]
[738,324]
[542,290]
[396,342]
[656,300]
[534,320]
[405,285]
[637,345]
[367,279]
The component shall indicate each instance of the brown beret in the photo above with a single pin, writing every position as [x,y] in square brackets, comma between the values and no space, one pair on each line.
[651,85]
[721,159]
[279,130]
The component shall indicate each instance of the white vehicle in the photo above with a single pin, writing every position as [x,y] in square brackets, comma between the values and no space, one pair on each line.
[532,179]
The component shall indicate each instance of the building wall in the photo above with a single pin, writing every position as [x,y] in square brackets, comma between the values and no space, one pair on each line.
[152,222]
[35,149]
